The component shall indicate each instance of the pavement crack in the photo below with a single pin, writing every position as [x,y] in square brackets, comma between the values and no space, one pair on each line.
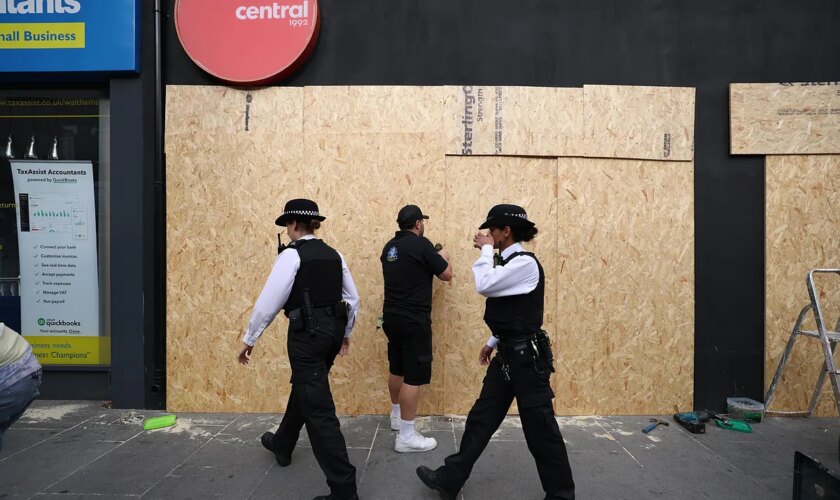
[619,443]
[370,451]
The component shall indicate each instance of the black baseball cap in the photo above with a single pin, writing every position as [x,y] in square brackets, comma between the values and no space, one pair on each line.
[410,214]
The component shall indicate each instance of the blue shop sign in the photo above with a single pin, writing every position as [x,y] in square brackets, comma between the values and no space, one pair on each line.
[69,36]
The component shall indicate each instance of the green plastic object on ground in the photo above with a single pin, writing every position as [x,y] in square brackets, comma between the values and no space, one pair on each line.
[158,422]
[733,425]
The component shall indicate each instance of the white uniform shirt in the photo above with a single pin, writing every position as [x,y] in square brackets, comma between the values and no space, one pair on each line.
[519,276]
[277,288]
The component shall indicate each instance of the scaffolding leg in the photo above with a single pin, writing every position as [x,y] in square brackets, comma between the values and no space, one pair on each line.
[820,382]
[785,355]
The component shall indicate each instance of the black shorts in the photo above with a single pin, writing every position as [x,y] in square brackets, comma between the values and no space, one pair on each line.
[409,348]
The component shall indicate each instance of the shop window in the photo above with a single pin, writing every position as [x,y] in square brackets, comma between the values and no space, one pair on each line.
[54,223]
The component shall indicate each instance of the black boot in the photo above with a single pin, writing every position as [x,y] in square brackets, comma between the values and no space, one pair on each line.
[282,459]
[431,479]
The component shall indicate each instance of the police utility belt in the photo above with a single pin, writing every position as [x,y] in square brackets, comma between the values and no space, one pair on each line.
[518,348]
[308,317]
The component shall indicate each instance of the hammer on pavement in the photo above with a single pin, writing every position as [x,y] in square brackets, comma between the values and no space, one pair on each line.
[653,425]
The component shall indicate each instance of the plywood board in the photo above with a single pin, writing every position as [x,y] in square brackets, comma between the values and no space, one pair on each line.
[616,243]
[473,186]
[377,110]
[373,150]
[803,202]
[226,183]
[514,121]
[648,123]
[364,179]
[784,118]
[226,186]
[625,287]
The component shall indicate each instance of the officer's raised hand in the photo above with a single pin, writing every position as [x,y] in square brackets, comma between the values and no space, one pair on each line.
[245,354]
[482,239]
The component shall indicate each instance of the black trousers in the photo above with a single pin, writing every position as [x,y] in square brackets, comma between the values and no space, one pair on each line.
[533,395]
[311,404]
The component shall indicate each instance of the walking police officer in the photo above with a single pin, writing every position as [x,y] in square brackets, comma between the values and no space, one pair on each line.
[310,281]
[515,289]
[409,261]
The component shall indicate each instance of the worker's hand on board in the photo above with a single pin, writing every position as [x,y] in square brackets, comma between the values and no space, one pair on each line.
[443,253]
[245,354]
[484,355]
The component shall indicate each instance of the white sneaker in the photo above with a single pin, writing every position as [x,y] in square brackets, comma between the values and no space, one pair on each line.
[395,423]
[416,443]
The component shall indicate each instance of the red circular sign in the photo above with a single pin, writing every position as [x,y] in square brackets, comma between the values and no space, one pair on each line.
[247,41]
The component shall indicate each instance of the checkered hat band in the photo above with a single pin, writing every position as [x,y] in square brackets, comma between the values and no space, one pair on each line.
[521,216]
[303,212]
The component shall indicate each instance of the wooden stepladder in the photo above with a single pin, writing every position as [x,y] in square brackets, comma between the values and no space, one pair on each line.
[828,340]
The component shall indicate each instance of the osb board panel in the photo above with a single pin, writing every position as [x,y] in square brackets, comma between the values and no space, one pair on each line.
[784,118]
[648,123]
[373,150]
[376,110]
[363,180]
[626,287]
[225,186]
[514,121]
[473,185]
[803,197]
[223,110]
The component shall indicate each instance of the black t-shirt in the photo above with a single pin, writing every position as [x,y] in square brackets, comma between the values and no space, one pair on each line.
[409,263]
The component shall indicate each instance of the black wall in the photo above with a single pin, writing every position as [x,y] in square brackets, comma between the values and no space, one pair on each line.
[570,43]
[137,351]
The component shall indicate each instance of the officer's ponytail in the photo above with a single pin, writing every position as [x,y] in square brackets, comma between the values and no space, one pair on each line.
[310,225]
[523,234]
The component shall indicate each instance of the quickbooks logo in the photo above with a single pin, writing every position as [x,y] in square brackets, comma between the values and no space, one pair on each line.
[57,322]
[39,6]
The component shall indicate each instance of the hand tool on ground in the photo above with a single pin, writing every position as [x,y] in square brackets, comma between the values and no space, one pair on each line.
[653,426]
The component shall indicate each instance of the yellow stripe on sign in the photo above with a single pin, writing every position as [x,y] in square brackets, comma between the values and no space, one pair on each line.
[64,350]
[42,36]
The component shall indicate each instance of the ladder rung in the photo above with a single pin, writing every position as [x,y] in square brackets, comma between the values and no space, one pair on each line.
[833,336]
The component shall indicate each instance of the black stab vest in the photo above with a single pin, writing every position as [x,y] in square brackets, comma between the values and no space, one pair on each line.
[320,272]
[517,315]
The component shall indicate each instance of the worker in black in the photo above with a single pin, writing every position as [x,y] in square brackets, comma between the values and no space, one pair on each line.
[515,288]
[310,281]
[409,261]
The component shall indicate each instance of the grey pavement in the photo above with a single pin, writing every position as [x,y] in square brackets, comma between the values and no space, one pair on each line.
[81,450]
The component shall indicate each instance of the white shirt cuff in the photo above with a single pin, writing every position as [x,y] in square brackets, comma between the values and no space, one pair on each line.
[492,342]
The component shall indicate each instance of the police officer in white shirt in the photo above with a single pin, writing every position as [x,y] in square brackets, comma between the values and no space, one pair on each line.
[515,288]
[310,281]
